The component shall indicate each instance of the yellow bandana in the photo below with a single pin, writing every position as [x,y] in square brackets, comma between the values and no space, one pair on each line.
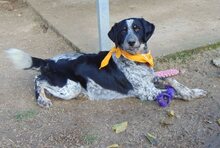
[142,58]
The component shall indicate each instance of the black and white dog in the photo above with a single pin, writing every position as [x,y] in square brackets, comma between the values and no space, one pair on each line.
[67,76]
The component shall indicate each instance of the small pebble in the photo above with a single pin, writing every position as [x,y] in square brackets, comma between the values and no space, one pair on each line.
[216,62]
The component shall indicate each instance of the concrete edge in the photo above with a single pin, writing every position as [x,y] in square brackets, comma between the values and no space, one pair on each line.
[45,21]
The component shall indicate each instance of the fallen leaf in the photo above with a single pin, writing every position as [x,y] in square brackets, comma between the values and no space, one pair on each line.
[218,121]
[171,113]
[152,139]
[113,146]
[118,128]
[167,121]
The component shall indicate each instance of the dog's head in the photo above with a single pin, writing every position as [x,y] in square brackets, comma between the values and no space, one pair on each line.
[132,34]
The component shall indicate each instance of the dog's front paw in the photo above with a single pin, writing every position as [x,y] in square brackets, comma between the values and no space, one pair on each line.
[198,93]
[44,102]
[189,94]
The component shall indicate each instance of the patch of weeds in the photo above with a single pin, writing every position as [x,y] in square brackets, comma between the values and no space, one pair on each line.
[89,138]
[25,115]
[183,56]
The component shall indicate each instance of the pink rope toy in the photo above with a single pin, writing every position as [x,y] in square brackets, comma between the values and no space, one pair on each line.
[167,73]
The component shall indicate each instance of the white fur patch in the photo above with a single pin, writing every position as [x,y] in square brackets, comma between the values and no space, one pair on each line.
[129,23]
[20,59]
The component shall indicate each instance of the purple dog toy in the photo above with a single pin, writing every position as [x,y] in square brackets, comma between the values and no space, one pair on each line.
[164,98]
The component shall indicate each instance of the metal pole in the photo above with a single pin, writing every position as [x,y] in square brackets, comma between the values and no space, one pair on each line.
[102,7]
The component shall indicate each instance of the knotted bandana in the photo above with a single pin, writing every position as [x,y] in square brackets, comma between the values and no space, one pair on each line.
[142,58]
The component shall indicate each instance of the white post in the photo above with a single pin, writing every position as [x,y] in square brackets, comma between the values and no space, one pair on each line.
[102,7]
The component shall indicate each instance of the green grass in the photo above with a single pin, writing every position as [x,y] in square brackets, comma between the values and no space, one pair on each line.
[183,56]
[25,115]
[90,138]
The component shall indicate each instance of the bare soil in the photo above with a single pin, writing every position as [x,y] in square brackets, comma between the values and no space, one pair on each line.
[84,123]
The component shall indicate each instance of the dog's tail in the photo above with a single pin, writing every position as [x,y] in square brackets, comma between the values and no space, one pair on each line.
[23,60]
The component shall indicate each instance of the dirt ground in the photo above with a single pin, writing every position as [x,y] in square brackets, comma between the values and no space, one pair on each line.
[84,123]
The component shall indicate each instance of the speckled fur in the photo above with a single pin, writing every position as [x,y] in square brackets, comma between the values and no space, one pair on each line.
[135,73]
[139,75]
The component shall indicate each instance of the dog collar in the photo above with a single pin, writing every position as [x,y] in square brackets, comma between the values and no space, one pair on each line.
[142,58]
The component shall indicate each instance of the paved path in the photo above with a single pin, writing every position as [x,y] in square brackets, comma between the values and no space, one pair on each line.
[179,24]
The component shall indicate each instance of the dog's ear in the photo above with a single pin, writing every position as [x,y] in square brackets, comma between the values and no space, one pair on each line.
[148,29]
[113,33]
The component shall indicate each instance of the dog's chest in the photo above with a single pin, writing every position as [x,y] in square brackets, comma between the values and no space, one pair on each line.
[137,74]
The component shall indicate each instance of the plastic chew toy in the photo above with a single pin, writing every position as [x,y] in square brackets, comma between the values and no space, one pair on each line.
[167,73]
[164,98]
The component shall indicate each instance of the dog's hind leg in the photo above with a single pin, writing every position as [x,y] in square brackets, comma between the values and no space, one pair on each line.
[183,92]
[40,95]
[69,91]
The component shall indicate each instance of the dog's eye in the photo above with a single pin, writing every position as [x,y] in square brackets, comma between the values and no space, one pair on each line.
[124,30]
[136,28]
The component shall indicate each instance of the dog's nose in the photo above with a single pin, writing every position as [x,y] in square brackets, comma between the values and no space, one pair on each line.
[131,43]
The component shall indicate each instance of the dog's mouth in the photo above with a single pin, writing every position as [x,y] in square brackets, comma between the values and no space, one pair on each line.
[133,50]
[140,49]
